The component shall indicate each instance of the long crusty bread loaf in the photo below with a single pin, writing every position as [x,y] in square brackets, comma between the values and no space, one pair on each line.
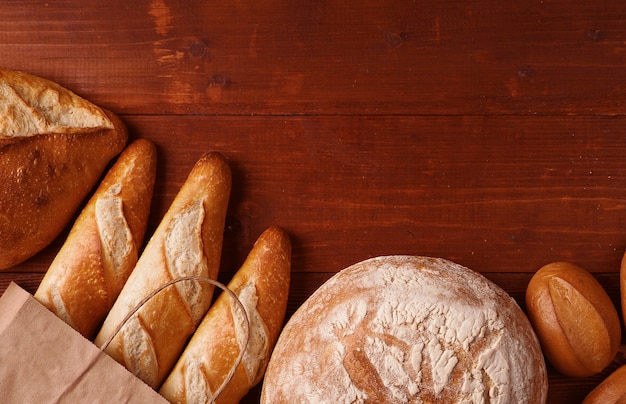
[103,246]
[187,242]
[262,286]
[54,146]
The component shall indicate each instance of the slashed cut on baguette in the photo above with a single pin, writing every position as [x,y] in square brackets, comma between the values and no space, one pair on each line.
[54,147]
[187,242]
[262,286]
[103,245]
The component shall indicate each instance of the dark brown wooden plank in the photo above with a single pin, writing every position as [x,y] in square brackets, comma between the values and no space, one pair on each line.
[273,57]
[498,194]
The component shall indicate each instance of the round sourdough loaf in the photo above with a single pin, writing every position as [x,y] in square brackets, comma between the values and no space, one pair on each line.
[400,329]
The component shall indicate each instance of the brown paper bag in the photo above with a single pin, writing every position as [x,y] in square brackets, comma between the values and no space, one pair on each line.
[43,360]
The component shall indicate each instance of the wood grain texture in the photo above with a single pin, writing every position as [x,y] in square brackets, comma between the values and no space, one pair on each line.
[310,57]
[491,133]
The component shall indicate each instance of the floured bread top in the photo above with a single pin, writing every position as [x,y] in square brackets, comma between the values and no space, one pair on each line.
[184,255]
[196,375]
[118,245]
[118,249]
[31,106]
[184,252]
[403,329]
[258,339]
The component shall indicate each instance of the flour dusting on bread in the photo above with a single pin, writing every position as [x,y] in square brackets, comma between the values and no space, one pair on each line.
[138,351]
[118,246]
[407,329]
[31,106]
[184,254]
[257,348]
[59,306]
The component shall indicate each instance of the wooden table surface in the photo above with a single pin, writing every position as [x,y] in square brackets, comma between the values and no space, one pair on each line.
[491,133]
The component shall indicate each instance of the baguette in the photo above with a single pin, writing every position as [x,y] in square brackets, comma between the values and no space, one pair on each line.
[262,285]
[612,390]
[187,242]
[54,146]
[102,247]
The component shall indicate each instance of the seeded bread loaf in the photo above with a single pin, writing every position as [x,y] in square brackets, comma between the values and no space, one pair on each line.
[187,242]
[402,329]
[54,147]
[262,286]
[103,245]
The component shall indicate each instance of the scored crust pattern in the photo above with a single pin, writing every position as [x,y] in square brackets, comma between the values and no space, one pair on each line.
[31,106]
[407,330]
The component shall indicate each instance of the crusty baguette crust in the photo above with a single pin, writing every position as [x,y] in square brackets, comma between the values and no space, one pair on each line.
[187,242]
[611,391]
[262,285]
[54,146]
[102,247]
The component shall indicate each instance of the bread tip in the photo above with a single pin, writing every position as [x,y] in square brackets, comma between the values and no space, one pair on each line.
[211,156]
[212,162]
[277,233]
[145,146]
[120,138]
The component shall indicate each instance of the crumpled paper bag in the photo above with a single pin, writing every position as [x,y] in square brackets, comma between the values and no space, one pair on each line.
[44,360]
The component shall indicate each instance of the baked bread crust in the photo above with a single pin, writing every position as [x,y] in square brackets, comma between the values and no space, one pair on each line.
[54,147]
[575,319]
[103,245]
[262,286]
[611,390]
[187,242]
[401,329]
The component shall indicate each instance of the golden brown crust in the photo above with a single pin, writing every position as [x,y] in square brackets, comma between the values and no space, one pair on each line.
[102,247]
[574,318]
[54,146]
[622,287]
[611,391]
[264,277]
[187,242]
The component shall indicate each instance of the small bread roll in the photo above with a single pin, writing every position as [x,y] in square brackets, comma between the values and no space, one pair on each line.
[611,391]
[575,319]
[262,286]
[188,242]
[102,247]
[54,147]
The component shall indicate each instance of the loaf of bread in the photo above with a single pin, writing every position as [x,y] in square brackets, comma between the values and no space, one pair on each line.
[103,245]
[187,242]
[262,286]
[612,390]
[574,318]
[622,287]
[400,329]
[54,147]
